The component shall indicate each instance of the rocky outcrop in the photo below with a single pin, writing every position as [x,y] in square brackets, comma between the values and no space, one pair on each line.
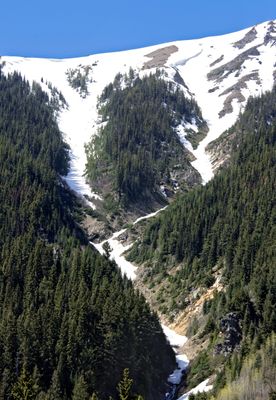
[222,72]
[218,60]
[231,331]
[234,92]
[249,37]
[270,37]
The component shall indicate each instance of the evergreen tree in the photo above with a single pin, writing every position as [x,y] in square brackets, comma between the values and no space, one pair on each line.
[125,385]
[25,388]
[80,391]
[66,313]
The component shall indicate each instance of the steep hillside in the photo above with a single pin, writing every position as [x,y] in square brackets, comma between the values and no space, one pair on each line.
[219,73]
[210,253]
[221,237]
[69,323]
[137,157]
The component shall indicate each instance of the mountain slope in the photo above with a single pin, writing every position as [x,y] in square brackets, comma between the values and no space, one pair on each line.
[69,322]
[219,73]
[217,244]
[138,147]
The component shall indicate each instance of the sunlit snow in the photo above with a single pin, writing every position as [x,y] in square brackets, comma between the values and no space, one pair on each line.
[202,387]
[192,61]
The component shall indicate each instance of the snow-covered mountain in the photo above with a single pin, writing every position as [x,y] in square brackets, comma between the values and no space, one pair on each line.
[219,72]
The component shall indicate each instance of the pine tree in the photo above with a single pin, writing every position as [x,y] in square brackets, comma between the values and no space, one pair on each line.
[25,388]
[124,386]
[80,391]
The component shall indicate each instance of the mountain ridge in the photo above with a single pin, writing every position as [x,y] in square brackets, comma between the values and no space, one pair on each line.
[192,62]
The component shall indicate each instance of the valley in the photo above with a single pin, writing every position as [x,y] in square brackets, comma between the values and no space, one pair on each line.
[217,76]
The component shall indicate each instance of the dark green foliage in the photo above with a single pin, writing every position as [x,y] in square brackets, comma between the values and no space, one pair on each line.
[225,228]
[68,320]
[78,79]
[255,378]
[229,225]
[199,396]
[201,369]
[138,148]
[25,388]
[125,385]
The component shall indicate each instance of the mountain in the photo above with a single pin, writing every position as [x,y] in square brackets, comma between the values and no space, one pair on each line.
[146,128]
[70,324]
[219,73]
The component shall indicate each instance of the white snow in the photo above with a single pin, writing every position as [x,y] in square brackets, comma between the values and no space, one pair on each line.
[193,68]
[176,341]
[192,61]
[181,130]
[118,248]
[153,214]
[202,387]
[182,363]
[174,338]
[116,254]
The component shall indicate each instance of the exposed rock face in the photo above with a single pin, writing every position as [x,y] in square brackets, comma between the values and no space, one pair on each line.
[241,84]
[160,57]
[234,92]
[222,72]
[217,61]
[221,150]
[231,330]
[270,37]
[248,38]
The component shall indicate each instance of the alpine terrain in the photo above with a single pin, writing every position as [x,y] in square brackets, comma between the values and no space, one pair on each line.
[138,189]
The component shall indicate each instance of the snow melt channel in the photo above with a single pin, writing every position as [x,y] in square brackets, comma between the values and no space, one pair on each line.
[117,248]
[176,341]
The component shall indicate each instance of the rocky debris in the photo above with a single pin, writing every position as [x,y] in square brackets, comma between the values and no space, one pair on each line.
[97,230]
[160,57]
[269,37]
[218,60]
[274,76]
[221,150]
[231,330]
[222,72]
[241,84]
[213,89]
[178,78]
[235,92]
[180,81]
[227,105]
[249,37]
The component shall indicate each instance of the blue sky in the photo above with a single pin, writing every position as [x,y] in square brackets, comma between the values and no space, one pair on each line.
[66,28]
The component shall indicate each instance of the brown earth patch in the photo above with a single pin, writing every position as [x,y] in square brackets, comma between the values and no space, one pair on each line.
[183,320]
[159,57]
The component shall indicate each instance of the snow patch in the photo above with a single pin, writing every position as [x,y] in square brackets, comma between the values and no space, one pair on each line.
[176,376]
[176,341]
[202,387]
[174,338]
